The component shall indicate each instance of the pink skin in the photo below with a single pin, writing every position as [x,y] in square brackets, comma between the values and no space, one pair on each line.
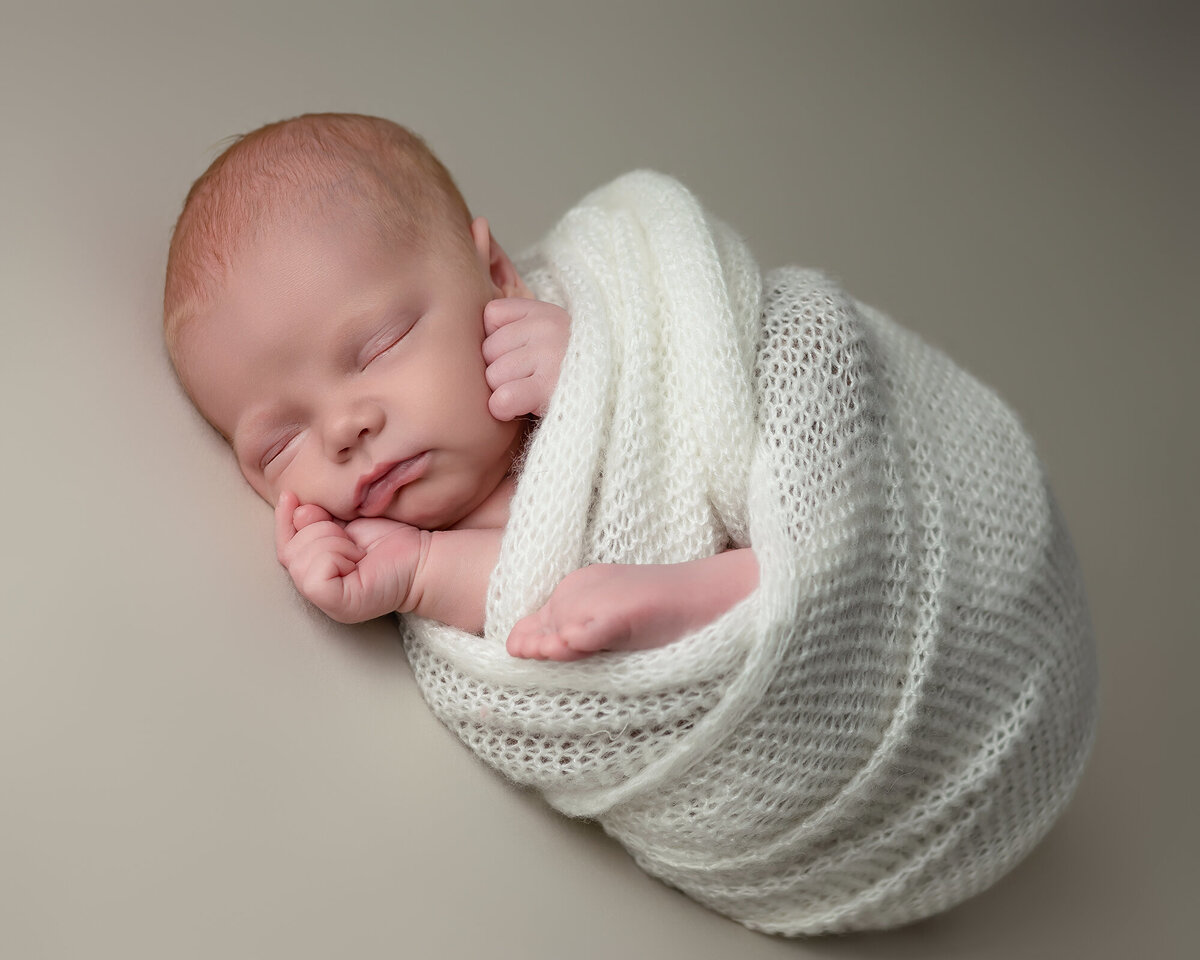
[353,571]
[526,341]
[373,394]
[633,607]
[330,355]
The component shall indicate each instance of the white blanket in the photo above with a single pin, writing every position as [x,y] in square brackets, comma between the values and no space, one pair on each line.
[901,709]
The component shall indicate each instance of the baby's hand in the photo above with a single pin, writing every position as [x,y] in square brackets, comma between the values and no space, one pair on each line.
[355,571]
[525,345]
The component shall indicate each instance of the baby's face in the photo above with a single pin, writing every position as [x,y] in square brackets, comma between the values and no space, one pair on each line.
[351,372]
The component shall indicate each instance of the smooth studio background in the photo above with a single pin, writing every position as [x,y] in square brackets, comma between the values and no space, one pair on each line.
[195,765]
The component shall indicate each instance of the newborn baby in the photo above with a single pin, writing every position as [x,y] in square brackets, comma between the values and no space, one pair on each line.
[851,679]
[370,353]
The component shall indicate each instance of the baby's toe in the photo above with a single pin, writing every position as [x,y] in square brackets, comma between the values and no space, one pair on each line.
[526,639]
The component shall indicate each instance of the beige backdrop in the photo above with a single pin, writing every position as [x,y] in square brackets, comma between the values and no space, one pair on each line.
[196,765]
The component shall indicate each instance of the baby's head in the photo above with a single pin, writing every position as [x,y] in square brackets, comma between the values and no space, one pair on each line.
[324,311]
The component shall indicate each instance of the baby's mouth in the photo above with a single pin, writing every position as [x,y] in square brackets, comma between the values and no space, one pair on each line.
[376,489]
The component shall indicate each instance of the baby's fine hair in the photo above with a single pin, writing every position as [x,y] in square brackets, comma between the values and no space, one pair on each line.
[312,164]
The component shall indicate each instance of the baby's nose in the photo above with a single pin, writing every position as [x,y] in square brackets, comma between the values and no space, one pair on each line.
[351,429]
[362,434]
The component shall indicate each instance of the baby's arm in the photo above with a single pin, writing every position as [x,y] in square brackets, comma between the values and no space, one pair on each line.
[633,606]
[371,566]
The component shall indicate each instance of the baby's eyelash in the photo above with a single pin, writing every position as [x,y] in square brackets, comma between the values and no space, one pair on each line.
[387,345]
[387,340]
[274,451]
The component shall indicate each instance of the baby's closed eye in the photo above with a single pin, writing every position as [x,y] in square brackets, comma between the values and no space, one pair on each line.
[379,350]
[384,342]
[276,451]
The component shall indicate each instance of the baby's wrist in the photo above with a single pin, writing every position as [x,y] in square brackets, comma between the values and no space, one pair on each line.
[413,597]
[451,579]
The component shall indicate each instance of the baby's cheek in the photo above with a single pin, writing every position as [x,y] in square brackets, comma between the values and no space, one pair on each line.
[259,485]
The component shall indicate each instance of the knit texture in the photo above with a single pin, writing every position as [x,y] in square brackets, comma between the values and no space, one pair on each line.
[901,709]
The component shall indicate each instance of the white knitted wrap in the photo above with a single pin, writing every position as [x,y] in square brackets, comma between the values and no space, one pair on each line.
[901,709]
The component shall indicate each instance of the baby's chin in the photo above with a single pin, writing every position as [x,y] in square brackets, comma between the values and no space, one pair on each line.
[430,509]
[427,519]
[413,511]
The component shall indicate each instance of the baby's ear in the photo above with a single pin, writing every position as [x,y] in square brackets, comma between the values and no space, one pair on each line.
[504,275]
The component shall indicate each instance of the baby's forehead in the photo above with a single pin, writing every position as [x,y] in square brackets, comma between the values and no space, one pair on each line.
[313,288]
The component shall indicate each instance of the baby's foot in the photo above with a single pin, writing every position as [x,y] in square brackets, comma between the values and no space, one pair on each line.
[609,607]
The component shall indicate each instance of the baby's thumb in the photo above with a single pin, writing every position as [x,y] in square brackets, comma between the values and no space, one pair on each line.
[309,513]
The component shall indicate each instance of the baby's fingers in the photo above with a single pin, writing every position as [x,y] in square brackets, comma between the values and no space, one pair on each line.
[299,553]
[505,310]
[517,398]
[511,365]
[337,560]
[285,527]
[308,514]
[326,579]
[292,517]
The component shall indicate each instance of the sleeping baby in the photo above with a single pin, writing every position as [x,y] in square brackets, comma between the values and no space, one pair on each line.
[370,353]
[822,654]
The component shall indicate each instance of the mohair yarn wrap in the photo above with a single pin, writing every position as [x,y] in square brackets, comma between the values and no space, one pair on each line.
[904,705]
